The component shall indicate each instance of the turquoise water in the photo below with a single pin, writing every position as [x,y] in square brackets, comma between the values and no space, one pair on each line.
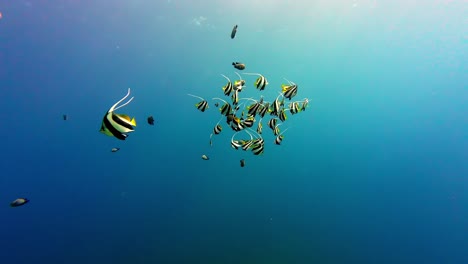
[374,171]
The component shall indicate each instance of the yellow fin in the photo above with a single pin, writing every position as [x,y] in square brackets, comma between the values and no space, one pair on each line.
[124,116]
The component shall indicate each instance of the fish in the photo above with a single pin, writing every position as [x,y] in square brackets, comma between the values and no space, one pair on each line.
[216,104]
[289,90]
[272,123]
[19,202]
[276,106]
[202,105]
[304,105]
[118,125]
[227,89]
[261,81]
[226,108]
[150,120]
[236,144]
[235,98]
[253,108]
[115,149]
[236,124]
[294,108]
[205,157]
[230,118]
[65,117]
[238,84]
[259,127]
[282,115]
[239,65]
[233,32]
[242,162]
[263,109]
[280,138]
[246,144]
[258,146]
[248,122]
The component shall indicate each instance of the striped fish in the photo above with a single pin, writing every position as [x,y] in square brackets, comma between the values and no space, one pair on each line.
[202,105]
[289,90]
[272,123]
[280,138]
[248,122]
[282,115]
[259,127]
[118,125]
[227,89]
[235,97]
[261,81]
[294,108]
[226,108]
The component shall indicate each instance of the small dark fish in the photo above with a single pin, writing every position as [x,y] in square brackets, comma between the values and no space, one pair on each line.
[242,162]
[151,120]
[233,32]
[19,202]
[238,65]
[65,117]
[216,104]
[115,149]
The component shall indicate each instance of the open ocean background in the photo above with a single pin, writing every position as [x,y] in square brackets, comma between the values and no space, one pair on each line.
[375,171]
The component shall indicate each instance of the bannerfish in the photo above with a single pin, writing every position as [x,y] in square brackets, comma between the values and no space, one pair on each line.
[151,120]
[19,202]
[205,157]
[202,105]
[115,149]
[239,65]
[233,32]
[261,81]
[118,125]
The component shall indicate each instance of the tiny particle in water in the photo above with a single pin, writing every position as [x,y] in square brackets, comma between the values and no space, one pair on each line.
[205,157]
[115,149]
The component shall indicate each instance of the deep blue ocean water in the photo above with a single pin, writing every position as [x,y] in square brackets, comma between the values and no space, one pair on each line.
[374,171]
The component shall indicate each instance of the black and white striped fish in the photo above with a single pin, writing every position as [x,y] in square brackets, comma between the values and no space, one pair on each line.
[282,115]
[202,105]
[227,89]
[261,81]
[118,125]
[272,123]
[289,90]
[280,138]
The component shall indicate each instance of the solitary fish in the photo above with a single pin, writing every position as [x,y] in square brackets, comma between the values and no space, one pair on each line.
[205,157]
[151,120]
[234,31]
[238,65]
[65,117]
[242,162]
[115,149]
[118,125]
[19,202]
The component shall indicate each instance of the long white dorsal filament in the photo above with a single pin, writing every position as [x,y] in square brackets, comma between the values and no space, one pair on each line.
[113,108]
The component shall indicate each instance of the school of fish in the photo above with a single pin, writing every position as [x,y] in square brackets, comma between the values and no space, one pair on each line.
[243,114]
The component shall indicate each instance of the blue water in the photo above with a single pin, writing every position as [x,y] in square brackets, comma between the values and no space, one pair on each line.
[374,171]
